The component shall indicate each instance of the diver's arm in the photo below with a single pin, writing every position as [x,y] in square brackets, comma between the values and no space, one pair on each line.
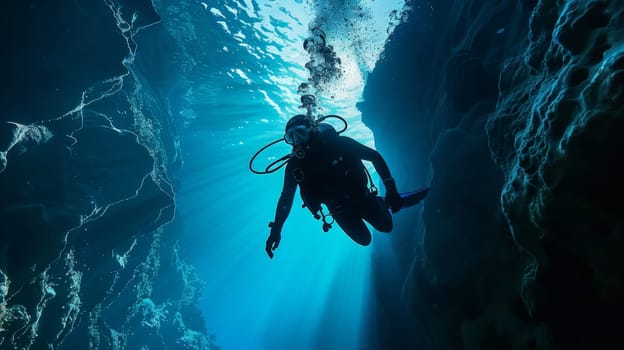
[284,204]
[393,198]
[281,213]
[367,153]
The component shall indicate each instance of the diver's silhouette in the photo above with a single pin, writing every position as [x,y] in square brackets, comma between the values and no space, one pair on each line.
[328,169]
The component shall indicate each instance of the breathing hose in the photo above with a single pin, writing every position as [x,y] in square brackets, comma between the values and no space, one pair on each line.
[268,169]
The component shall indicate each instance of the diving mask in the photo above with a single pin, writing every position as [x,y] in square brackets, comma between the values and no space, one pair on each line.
[297,135]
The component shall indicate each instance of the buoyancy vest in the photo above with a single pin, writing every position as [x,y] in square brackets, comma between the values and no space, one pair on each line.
[326,171]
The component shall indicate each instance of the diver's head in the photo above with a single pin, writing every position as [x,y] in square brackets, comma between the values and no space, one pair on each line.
[298,130]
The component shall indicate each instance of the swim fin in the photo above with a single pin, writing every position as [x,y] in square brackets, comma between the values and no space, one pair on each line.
[409,199]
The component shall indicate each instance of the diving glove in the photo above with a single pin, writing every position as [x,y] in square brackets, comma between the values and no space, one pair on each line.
[393,198]
[274,239]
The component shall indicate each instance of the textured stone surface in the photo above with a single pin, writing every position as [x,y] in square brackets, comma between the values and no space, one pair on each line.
[556,135]
[86,147]
[518,106]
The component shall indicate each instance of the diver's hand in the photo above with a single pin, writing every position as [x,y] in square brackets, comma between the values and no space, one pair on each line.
[273,241]
[393,198]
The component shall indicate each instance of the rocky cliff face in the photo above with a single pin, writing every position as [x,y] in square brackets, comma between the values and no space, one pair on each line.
[515,108]
[85,155]
[556,134]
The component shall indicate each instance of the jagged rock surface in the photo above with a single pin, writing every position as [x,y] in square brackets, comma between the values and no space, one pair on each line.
[518,107]
[556,134]
[85,155]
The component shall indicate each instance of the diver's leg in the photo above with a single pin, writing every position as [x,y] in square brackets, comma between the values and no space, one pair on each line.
[350,221]
[376,212]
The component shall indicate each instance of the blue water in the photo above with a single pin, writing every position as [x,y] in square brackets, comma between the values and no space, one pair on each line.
[239,70]
[129,218]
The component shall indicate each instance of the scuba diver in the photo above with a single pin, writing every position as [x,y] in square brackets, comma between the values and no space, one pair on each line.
[328,169]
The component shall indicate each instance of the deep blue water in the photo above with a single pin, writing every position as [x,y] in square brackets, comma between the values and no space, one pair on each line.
[249,61]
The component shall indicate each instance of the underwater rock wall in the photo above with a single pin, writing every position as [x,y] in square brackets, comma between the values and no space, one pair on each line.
[516,109]
[86,150]
[466,291]
[557,135]
[461,269]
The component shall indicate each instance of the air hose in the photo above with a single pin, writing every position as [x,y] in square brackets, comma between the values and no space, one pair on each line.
[268,169]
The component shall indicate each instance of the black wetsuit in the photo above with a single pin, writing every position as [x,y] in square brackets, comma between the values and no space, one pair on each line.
[329,170]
